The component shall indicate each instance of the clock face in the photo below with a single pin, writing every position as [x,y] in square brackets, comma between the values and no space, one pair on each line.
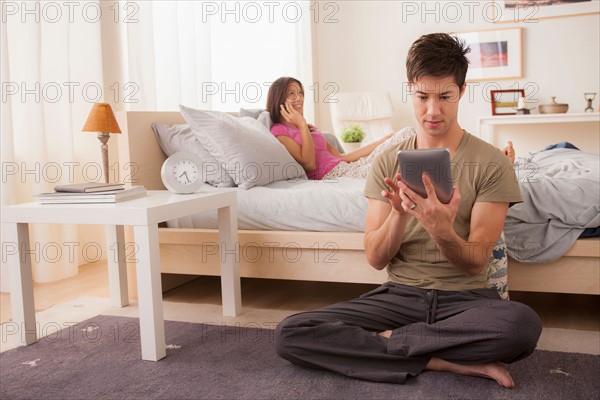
[185,172]
[182,173]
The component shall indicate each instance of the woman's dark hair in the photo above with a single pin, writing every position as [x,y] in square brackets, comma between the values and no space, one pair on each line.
[439,55]
[277,95]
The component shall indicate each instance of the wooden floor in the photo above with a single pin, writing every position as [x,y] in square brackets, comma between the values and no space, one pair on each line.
[556,310]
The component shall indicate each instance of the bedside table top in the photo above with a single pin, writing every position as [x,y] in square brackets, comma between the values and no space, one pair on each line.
[157,206]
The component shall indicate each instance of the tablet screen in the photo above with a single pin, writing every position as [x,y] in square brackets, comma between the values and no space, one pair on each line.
[436,162]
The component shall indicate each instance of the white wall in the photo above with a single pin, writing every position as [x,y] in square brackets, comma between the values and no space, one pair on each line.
[366,50]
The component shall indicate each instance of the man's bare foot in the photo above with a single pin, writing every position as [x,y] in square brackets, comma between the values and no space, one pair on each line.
[386,334]
[492,370]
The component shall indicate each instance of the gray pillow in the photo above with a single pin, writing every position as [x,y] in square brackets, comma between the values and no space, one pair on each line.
[259,114]
[251,154]
[250,112]
[330,137]
[180,137]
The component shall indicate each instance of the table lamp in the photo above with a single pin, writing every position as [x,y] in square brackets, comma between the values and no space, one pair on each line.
[102,120]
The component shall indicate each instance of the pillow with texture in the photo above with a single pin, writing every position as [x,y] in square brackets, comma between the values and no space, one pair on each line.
[498,269]
[251,154]
[259,114]
[180,137]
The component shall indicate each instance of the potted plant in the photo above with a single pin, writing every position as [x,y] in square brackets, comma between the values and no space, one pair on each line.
[352,136]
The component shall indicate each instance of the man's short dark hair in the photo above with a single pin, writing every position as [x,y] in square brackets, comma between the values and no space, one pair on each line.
[439,55]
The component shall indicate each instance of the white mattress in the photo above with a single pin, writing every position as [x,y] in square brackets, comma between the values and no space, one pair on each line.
[303,205]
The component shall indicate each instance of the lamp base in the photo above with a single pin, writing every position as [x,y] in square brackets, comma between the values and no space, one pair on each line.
[103,138]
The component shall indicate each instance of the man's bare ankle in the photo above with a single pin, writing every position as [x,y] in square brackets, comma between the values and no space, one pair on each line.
[491,370]
[386,334]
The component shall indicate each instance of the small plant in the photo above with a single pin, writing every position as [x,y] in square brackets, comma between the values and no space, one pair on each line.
[353,134]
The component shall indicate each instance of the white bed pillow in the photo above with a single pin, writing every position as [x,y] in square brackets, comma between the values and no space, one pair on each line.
[251,154]
[180,137]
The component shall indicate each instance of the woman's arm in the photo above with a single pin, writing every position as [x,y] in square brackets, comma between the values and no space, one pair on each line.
[295,151]
[304,154]
[363,151]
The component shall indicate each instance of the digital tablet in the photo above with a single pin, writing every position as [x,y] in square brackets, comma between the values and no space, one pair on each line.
[436,162]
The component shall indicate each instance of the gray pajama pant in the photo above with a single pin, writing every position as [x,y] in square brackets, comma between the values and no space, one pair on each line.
[467,327]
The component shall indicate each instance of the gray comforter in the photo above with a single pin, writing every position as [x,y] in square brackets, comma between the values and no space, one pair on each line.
[561,197]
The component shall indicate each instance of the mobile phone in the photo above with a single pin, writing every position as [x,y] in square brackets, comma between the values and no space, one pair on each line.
[436,162]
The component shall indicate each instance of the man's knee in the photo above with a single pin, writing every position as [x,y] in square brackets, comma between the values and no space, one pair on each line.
[280,342]
[523,329]
[286,334]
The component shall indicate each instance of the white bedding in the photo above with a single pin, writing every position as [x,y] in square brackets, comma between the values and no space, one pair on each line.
[302,205]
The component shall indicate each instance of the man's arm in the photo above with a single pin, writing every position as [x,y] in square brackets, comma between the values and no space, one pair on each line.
[473,255]
[470,256]
[384,226]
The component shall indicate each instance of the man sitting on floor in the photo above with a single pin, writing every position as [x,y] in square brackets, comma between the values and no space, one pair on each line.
[436,312]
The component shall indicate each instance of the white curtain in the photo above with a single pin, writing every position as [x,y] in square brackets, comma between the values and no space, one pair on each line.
[47,64]
[58,58]
[216,55]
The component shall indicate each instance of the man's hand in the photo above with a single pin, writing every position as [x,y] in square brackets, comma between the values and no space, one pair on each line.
[436,218]
[393,194]
[385,224]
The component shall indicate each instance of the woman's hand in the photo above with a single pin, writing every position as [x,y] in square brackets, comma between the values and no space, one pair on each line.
[292,116]
[509,151]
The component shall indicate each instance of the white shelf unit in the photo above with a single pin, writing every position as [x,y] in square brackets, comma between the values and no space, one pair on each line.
[535,131]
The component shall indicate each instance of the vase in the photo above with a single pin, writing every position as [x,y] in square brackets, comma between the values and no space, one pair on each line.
[348,147]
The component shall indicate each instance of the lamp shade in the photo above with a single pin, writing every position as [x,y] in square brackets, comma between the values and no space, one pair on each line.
[101,119]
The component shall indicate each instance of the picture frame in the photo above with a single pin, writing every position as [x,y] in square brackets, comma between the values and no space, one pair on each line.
[495,54]
[532,11]
[505,102]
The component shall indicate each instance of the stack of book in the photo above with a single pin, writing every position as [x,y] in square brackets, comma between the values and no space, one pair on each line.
[91,193]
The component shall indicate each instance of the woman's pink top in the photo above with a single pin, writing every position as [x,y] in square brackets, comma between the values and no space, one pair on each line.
[325,161]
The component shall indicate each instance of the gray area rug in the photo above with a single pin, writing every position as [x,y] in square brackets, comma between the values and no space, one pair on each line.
[101,359]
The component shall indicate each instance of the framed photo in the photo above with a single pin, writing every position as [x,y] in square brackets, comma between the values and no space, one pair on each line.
[505,102]
[532,10]
[495,54]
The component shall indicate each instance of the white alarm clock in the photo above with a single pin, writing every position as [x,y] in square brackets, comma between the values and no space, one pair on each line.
[182,173]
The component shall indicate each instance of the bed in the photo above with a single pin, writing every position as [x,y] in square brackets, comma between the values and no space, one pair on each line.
[333,256]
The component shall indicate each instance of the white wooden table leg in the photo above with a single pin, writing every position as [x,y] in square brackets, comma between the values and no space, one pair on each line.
[230,267]
[152,328]
[17,251]
[117,266]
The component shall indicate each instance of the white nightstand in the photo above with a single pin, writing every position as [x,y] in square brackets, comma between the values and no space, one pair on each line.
[143,214]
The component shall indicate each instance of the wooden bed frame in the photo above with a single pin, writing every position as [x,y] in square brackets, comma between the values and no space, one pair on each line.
[310,256]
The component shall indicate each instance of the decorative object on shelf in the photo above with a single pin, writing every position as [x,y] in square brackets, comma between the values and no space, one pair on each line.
[590,98]
[522,107]
[352,137]
[102,120]
[531,11]
[495,54]
[182,173]
[505,102]
[554,107]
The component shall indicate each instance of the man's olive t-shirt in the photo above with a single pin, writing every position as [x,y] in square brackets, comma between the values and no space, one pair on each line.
[482,173]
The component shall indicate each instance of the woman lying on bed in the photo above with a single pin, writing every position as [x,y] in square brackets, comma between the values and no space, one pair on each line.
[321,160]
